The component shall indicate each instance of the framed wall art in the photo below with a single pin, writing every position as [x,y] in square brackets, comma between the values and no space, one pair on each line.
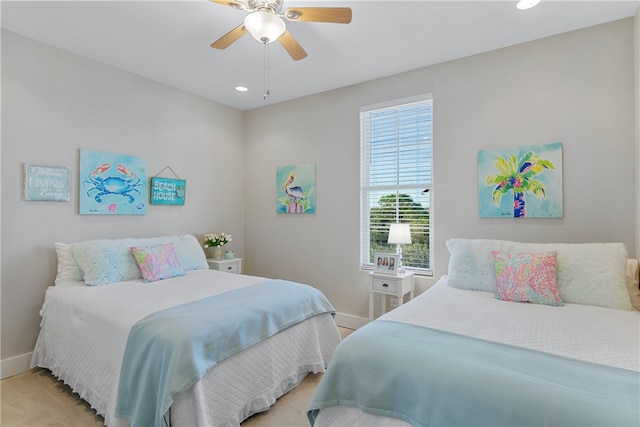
[112,184]
[521,182]
[295,189]
[47,183]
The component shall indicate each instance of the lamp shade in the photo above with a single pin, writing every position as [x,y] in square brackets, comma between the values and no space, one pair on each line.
[264,26]
[527,4]
[399,234]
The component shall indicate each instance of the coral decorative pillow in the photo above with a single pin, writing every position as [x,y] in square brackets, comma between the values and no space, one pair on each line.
[527,277]
[157,262]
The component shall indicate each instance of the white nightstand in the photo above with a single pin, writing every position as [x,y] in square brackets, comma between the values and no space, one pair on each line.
[233,265]
[397,285]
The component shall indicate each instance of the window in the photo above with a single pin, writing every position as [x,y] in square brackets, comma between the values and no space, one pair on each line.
[396,179]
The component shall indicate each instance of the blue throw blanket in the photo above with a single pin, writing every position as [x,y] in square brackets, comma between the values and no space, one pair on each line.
[169,351]
[428,377]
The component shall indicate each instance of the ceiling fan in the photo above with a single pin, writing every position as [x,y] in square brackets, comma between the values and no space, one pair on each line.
[265,22]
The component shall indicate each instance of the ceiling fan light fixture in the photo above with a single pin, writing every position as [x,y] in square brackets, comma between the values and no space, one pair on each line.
[264,26]
[527,4]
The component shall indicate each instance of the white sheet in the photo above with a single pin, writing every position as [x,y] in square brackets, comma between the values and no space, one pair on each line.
[84,333]
[595,334]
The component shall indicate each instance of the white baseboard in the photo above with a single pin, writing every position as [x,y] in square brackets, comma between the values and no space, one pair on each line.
[15,365]
[349,321]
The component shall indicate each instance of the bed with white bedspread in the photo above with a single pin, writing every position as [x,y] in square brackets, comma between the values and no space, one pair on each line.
[468,351]
[85,329]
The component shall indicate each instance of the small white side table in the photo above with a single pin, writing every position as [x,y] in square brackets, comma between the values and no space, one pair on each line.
[397,285]
[233,265]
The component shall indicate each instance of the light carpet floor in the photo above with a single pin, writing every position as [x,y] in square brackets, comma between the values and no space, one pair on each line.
[37,399]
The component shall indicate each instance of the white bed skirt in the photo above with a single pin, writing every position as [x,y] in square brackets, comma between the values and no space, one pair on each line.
[289,357]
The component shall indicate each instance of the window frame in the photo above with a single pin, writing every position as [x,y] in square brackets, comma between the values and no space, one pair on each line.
[366,189]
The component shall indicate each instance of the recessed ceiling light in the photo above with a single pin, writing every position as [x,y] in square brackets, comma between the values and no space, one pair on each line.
[527,4]
[241,88]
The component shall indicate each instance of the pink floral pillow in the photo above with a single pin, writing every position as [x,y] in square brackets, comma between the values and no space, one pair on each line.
[157,262]
[527,277]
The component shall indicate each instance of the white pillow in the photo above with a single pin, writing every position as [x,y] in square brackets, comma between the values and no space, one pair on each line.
[70,283]
[190,253]
[588,273]
[68,269]
[471,264]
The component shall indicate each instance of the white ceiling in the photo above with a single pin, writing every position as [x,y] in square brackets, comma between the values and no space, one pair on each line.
[169,41]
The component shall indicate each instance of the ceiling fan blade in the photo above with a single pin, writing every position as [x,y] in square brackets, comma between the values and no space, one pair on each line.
[339,15]
[233,35]
[236,4]
[292,46]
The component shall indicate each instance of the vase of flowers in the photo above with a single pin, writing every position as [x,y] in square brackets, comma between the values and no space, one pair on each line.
[216,242]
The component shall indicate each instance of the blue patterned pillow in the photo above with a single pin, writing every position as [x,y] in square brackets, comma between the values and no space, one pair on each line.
[105,261]
[157,262]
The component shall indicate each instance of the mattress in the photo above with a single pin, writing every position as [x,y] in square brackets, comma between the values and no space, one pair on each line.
[589,333]
[84,332]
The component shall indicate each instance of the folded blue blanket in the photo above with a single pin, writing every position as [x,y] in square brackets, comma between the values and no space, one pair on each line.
[429,377]
[169,351]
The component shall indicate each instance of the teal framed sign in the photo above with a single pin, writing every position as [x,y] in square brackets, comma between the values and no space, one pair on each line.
[48,183]
[167,191]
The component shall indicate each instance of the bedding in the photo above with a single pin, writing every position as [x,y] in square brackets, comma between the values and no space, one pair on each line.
[84,332]
[540,388]
[575,332]
[169,351]
[68,269]
[91,255]
[157,262]
[459,354]
[588,273]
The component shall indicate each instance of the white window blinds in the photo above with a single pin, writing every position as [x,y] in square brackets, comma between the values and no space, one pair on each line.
[395,171]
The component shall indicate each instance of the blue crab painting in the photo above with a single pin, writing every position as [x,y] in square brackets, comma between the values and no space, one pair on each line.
[112,183]
[117,185]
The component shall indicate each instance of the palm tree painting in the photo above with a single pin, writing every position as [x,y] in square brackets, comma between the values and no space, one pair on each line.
[531,175]
[295,189]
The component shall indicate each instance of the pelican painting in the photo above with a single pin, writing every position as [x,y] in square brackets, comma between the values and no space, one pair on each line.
[296,186]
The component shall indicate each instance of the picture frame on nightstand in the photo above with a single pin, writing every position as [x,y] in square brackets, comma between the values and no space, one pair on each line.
[385,263]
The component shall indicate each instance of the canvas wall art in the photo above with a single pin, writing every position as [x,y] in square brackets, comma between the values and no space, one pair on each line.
[112,184]
[295,189]
[522,182]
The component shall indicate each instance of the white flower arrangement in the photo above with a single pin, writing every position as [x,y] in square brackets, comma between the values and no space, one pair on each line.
[212,240]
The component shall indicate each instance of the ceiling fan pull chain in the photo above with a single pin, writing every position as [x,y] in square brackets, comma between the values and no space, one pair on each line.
[267,92]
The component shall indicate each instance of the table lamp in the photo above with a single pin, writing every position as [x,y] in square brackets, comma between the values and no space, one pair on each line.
[399,234]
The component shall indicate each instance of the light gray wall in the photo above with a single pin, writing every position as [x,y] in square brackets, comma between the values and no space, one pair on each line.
[54,103]
[575,88]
